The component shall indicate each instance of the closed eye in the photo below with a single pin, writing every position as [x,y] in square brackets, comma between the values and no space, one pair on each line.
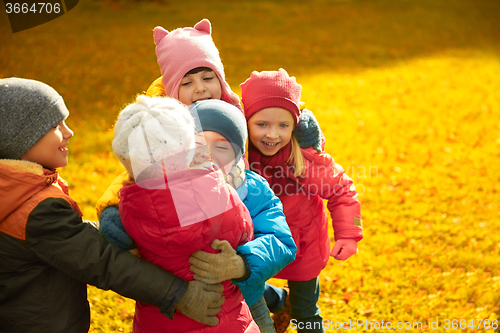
[222,145]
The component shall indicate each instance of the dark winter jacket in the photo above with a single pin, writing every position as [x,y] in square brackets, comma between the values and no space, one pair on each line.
[48,256]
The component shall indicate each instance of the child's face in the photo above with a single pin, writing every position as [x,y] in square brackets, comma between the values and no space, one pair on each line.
[50,151]
[199,86]
[219,149]
[270,130]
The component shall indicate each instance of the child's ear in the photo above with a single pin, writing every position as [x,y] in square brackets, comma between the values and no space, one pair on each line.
[204,25]
[159,33]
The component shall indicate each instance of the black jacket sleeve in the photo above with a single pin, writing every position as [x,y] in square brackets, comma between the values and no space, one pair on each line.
[57,235]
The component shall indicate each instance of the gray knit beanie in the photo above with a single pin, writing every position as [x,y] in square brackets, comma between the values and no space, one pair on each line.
[223,118]
[28,110]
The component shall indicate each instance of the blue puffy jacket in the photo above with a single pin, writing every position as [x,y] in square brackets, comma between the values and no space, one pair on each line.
[273,247]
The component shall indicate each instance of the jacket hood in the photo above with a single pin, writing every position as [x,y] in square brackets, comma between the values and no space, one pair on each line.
[19,181]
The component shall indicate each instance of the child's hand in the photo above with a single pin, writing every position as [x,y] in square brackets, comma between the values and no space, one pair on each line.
[217,267]
[135,252]
[111,228]
[344,248]
[202,302]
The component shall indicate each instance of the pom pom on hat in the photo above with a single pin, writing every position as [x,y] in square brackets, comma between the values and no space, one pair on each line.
[28,110]
[184,49]
[151,130]
[269,89]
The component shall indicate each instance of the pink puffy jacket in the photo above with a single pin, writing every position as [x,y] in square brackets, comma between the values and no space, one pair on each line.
[168,225]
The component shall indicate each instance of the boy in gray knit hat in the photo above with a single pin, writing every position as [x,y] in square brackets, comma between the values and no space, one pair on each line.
[48,255]
[28,110]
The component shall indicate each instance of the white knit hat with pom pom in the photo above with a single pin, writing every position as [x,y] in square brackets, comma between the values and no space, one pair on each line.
[153,136]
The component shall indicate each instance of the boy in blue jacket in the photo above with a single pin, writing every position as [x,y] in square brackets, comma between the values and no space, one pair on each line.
[219,126]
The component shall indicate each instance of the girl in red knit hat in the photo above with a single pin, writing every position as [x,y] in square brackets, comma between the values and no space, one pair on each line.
[301,178]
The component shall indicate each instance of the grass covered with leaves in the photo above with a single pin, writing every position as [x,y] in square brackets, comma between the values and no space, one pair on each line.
[406,92]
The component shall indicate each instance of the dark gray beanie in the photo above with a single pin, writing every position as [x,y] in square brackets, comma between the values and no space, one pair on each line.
[28,110]
[223,118]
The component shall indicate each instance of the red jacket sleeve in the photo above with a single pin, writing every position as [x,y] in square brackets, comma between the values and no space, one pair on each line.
[327,179]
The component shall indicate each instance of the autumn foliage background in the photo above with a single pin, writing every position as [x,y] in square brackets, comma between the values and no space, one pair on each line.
[407,94]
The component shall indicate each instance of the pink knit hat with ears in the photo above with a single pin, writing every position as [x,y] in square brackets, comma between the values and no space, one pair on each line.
[184,49]
[269,89]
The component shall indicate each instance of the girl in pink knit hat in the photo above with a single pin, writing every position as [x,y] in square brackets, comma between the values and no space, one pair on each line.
[302,179]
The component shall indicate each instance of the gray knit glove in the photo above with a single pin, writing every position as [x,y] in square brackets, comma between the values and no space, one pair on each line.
[217,267]
[201,302]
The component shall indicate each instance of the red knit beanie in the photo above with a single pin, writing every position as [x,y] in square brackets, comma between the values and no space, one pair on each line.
[269,89]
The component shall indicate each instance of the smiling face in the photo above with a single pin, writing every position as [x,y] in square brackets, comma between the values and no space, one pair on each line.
[199,86]
[50,151]
[270,130]
[214,145]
